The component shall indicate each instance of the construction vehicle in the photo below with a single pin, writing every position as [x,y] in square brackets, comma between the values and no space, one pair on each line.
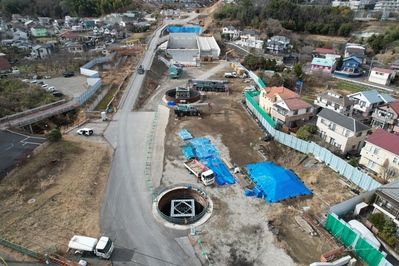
[203,173]
[176,69]
[191,109]
[140,69]
[187,110]
[102,247]
[227,53]
[208,85]
[131,41]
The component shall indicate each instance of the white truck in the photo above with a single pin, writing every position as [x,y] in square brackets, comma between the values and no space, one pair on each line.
[230,75]
[102,247]
[202,172]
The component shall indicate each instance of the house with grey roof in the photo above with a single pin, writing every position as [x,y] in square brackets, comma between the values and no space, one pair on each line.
[341,131]
[41,51]
[386,117]
[73,47]
[387,201]
[335,101]
[365,102]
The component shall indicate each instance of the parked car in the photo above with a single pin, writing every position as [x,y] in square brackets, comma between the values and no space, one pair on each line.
[47,77]
[68,74]
[85,131]
[50,89]
[37,77]
[44,86]
[40,83]
[58,94]
[25,80]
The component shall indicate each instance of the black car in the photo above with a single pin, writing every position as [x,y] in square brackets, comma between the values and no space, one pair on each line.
[58,94]
[68,74]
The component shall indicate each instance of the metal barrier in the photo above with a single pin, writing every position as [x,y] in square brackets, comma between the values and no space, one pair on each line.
[20,249]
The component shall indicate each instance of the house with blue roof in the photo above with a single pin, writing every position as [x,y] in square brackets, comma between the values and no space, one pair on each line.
[365,102]
[324,64]
[350,67]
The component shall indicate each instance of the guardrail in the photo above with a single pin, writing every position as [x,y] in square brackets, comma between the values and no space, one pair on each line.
[30,111]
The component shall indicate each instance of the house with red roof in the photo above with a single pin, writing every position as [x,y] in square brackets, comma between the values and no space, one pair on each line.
[4,65]
[382,76]
[386,117]
[292,112]
[68,36]
[381,154]
[323,52]
[269,95]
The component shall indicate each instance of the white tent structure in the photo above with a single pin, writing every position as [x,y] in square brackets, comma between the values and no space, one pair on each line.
[364,233]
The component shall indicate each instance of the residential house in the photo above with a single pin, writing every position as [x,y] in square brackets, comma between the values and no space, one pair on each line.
[381,154]
[386,117]
[117,34]
[4,65]
[277,44]
[395,66]
[292,113]
[231,33]
[326,65]
[387,6]
[354,48]
[344,132]
[73,47]
[387,201]
[365,102]
[246,34]
[88,23]
[322,52]
[38,31]
[335,101]
[44,20]
[350,68]
[41,51]
[68,36]
[382,76]
[270,95]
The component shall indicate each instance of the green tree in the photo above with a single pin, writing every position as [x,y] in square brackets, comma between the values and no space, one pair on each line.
[377,219]
[55,135]
[303,134]
[298,70]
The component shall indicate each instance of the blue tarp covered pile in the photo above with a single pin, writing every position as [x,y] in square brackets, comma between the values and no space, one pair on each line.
[274,183]
[207,154]
[185,135]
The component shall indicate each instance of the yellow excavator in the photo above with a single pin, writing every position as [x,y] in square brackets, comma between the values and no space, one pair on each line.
[228,52]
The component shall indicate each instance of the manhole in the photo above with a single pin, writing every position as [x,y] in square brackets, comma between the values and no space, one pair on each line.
[31,201]
[183,206]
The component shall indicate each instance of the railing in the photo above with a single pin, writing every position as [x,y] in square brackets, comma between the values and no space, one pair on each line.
[31,111]
[20,249]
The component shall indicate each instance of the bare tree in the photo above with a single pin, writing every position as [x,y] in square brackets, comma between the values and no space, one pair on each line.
[390,172]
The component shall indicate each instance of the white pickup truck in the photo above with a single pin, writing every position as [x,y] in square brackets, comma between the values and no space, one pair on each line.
[202,172]
[102,247]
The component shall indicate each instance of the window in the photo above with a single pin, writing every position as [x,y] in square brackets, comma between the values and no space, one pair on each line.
[323,135]
[332,141]
[374,150]
[332,126]
[370,164]
[396,160]
[345,132]
[295,112]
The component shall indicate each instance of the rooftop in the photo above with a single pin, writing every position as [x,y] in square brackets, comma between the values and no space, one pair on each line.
[385,140]
[343,120]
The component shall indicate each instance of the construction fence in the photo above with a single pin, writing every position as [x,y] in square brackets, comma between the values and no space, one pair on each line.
[355,242]
[339,165]
[20,249]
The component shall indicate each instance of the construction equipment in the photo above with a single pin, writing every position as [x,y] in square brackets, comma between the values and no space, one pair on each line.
[229,51]
[176,69]
[140,69]
[208,85]
[131,41]
[190,109]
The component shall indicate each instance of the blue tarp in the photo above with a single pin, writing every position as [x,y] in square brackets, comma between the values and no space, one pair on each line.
[171,103]
[188,151]
[222,174]
[275,183]
[176,29]
[207,154]
[185,135]
[204,149]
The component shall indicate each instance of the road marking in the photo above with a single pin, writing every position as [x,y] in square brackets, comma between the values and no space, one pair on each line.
[12,145]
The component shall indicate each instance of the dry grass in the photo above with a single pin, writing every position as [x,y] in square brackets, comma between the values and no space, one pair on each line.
[66,181]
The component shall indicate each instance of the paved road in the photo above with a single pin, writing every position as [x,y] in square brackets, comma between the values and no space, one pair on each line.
[126,214]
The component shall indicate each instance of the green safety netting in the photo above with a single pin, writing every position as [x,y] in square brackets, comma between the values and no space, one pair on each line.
[362,248]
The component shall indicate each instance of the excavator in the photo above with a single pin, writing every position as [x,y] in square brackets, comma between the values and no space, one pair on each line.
[176,69]
[228,52]
[190,109]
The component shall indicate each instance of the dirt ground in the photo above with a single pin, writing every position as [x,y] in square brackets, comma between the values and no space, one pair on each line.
[238,232]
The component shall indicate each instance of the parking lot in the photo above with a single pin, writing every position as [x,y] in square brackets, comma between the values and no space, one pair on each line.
[72,86]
